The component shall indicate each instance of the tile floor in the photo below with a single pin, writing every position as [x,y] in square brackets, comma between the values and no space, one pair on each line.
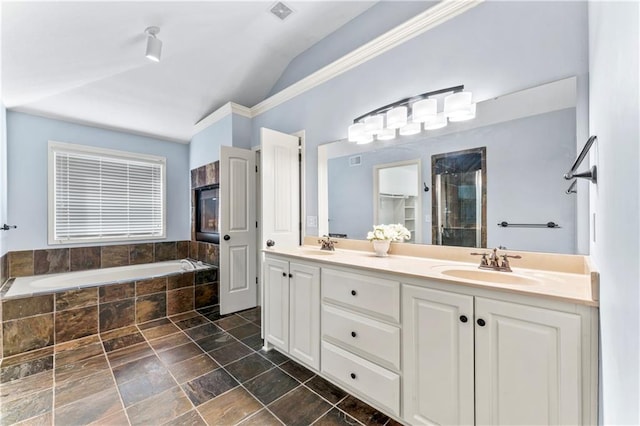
[191,369]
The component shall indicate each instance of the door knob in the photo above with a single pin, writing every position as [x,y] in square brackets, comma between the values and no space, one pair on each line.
[271,243]
[226,237]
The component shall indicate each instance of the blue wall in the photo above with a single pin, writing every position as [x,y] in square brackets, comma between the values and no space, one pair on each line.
[241,131]
[27,139]
[205,145]
[3,179]
[231,130]
[493,49]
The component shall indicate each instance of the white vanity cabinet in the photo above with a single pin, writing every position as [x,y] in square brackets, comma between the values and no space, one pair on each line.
[292,313]
[431,351]
[437,332]
[361,335]
[527,361]
[528,365]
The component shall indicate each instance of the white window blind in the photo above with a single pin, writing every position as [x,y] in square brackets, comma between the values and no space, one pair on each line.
[98,195]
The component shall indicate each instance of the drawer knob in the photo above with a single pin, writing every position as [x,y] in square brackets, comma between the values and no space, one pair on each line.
[463,318]
[353,292]
[353,334]
[353,376]
[481,322]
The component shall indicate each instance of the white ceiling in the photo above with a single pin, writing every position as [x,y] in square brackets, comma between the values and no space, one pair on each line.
[84,61]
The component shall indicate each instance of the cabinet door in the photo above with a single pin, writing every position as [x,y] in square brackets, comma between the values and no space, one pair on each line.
[437,356]
[527,365]
[304,326]
[276,299]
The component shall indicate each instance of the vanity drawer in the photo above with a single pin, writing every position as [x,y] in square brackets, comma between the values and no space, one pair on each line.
[375,296]
[378,384]
[367,337]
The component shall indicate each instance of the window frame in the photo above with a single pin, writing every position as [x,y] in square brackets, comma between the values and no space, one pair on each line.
[54,146]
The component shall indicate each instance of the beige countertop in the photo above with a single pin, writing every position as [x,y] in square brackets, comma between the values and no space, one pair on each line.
[574,287]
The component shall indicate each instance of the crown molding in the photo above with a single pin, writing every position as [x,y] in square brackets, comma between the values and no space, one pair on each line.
[220,113]
[430,18]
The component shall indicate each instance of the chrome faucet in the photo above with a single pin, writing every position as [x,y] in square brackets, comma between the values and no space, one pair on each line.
[327,243]
[493,262]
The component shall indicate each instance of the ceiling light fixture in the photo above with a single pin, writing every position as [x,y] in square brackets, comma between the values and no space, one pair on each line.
[154,45]
[408,114]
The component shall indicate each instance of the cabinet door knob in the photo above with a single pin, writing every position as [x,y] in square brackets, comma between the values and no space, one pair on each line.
[284,274]
[353,292]
[354,334]
[226,237]
[290,275]
[463,318]
[353,376]
[481,322]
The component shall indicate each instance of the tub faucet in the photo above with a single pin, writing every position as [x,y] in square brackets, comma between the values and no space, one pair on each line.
[493,263]
[326,243]
[188,262]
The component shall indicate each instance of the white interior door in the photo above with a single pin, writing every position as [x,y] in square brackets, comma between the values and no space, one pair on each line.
[238,289]
[280,180]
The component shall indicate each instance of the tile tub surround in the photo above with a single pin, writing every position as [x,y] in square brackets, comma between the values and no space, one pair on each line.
[206,175]
[55,260]
[35,322]
[185,369]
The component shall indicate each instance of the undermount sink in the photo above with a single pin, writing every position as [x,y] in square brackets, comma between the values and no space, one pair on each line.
[316,252]
[496,277]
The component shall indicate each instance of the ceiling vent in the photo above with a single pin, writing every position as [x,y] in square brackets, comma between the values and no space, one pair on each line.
[281,10]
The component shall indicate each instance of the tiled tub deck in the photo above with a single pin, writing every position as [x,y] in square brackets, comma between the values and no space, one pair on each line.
[32,323]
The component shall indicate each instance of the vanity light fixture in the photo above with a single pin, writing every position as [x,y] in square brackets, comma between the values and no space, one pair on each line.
[154,45]
[408,115]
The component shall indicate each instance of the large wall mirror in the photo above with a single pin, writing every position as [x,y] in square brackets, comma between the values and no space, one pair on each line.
[519,146]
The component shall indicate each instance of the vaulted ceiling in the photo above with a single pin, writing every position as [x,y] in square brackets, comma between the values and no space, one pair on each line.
[84,61]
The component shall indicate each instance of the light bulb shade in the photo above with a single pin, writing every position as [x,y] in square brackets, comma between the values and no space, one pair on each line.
[437,122]
[386,134]
[373,124]
[355,132]
[457,103]
[397,117]
[154,48]
[410,129]
[469,114]
[424,109]
[365,138]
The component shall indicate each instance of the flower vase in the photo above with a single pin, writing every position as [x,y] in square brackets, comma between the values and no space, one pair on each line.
[381,247]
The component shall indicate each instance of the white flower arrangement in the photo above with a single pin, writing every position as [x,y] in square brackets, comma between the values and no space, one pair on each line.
[394,232]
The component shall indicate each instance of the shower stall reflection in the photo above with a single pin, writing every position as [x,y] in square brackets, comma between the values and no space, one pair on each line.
[459,198]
